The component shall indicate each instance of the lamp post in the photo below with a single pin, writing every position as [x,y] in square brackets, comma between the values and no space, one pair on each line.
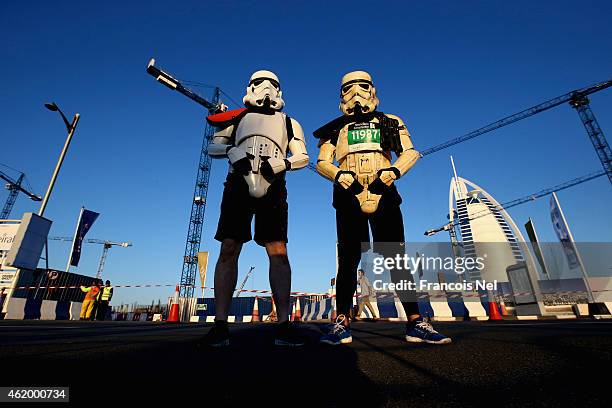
[70,127]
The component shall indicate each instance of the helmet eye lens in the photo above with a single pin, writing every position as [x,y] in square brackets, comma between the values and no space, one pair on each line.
[259,81]
[363,85]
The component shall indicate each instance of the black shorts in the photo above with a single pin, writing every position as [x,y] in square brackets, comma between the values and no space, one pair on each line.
[238,209]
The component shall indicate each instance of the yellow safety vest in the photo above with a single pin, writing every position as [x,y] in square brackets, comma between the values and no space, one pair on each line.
[107,293]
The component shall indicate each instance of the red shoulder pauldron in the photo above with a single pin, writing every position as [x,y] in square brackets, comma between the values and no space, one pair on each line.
[225,118]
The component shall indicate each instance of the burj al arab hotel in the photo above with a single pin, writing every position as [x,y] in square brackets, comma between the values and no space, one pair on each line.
[485,229]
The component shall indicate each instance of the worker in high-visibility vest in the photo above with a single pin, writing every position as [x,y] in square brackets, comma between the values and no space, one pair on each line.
[91,294]
[104,298]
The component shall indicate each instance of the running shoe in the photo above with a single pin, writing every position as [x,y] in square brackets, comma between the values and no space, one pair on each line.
[287,336]
[421,331]
[218,336]
[339,333]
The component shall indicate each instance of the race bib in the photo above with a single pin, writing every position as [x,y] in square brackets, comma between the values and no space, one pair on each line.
[363,136]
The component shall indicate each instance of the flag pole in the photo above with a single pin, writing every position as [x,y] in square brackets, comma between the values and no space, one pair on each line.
[76,232]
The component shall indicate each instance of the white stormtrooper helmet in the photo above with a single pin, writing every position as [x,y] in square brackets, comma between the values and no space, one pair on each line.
[264,91]
[357,89]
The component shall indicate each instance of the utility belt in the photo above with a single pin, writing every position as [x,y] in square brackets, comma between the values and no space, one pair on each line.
[237,181]
[344,199]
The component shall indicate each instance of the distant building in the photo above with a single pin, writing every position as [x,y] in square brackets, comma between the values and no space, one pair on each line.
[484,227]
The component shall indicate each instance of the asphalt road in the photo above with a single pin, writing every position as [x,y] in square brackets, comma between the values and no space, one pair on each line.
[534,363]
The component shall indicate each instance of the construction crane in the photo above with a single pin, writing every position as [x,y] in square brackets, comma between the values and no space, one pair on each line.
[14,187]
[244,281]
[578,99]
[198,205]
[107,246]
[450,227]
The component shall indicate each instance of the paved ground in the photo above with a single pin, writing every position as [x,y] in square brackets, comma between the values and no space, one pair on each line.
[550,363]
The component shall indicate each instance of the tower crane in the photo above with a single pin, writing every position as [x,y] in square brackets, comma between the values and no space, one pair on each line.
[198,205]
[14,187]
[107,246]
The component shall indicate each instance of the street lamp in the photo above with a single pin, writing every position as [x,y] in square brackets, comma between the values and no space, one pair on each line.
[70,127]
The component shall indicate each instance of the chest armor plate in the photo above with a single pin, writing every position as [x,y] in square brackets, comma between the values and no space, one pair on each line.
[262,137]
[358,150]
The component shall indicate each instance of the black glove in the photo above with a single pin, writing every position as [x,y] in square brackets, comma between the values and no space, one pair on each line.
[395,171]
[377,186]
[355,188]
[241,166]
[268,173]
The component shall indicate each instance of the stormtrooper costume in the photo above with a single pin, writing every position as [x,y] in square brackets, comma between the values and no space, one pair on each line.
[362,141]
[257,141]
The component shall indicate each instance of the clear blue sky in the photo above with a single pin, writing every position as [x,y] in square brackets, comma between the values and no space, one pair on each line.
[444,67]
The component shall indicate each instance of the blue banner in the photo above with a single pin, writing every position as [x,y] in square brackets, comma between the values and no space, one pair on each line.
[85,222]
[563,233]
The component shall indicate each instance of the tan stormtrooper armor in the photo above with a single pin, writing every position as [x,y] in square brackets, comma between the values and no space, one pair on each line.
[358,146]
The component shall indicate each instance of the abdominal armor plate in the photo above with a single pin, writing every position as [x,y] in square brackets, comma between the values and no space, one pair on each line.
[258,149]
[366,165]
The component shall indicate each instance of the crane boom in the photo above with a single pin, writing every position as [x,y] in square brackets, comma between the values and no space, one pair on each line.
[559,100]
[168,80]
[91,241]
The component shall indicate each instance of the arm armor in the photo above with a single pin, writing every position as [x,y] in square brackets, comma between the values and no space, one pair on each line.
[297,146]
[325,161]
[218,148]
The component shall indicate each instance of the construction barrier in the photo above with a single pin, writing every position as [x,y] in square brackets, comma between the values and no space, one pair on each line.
[438,305]
[31,309]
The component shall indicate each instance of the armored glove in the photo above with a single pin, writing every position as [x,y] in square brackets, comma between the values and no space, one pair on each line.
[348,181]
[389,175]
[385,178]
[239,160]
[273,166]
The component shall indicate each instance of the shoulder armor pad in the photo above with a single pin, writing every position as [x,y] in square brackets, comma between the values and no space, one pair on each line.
[225,118]
[330,130]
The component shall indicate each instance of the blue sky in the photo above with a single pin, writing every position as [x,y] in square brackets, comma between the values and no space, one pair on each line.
[444,67]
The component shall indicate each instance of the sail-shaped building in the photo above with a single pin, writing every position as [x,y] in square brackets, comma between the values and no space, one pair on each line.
[485,229]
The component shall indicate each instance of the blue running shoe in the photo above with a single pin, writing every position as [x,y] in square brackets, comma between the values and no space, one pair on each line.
[339,334]
[421,331]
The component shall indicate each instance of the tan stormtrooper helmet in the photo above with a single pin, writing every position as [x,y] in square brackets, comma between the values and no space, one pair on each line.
[357,90]
[264,91]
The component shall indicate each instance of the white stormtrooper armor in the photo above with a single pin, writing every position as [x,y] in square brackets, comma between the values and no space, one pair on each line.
[262,134]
